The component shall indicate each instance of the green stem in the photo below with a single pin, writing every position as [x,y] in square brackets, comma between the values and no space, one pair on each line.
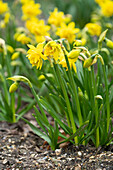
[5,88]
[96,119]
[69,116]
[72,82]
[107,98]
[13,107]
[96,106]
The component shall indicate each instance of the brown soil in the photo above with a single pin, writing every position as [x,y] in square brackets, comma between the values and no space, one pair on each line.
[20,149]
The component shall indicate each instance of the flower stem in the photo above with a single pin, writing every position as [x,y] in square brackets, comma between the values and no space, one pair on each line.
[72,82]
[107,98]
[69,115]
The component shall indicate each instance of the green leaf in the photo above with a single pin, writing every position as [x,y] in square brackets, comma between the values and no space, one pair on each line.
[37,131]
[55,115]
[40,120]
[25,110]
[80,130]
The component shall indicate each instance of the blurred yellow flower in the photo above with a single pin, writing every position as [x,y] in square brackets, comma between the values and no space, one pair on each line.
[93,29]
[23,38]
[67,31]
[5,20]
[30,10]
[107,8]
[52,50]
[25,1]
[3,7]
[38,28]
[10,48]
[7,16]
[56,18]
[15,56]
[100,1]
[36,56]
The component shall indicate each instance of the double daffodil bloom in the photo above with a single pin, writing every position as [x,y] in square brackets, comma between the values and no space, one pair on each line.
[53,50]
[56,18]
[67,31]
[38,28]
[36,56]
[93,29]
[30,10]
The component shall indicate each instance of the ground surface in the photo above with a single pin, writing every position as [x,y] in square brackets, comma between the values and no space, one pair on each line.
[20,149]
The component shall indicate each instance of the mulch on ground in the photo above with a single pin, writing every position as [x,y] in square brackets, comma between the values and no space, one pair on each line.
[20,149]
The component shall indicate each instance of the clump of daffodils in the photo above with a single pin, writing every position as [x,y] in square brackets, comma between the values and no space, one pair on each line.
[54,52]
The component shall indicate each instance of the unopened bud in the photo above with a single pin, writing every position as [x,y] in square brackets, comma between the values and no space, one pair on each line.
[80,94]
[10,48]
[89,61]
[2,45]
[15,56]
[109,43]
[13,87]
[101,38]
[77,43]
[73,55]
[98,97]
[16,63]
[20,78]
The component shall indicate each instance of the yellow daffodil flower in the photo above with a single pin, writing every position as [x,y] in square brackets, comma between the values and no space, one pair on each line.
[23,38]
[93,29]
[107,8]
[35,55]
[25,1]
[30,10]
[53,50]
[38,28]
[67,31]
[3,7]
[56,18]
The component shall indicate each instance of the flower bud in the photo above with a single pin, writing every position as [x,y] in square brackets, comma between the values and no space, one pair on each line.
[109,43]
[101,38]
[20,78]
[3,46]
[88,62]
[10,48]
[13,87]
[16,63]
[77,43]
[74,54]
[98,97]
[15,56]
[80,94]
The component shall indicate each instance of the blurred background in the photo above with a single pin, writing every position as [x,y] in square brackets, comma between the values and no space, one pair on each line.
[79,9]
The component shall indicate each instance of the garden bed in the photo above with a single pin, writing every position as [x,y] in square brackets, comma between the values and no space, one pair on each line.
[20,148]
